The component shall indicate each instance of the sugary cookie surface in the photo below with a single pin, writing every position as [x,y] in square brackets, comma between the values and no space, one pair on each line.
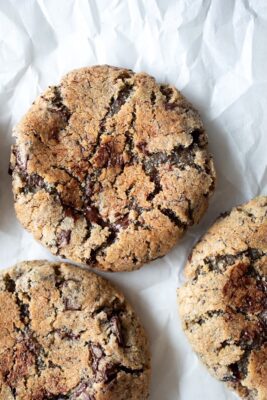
[66,333]
[223,305]
[110,168]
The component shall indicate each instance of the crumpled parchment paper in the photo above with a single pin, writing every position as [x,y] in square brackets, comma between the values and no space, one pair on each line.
[215,52]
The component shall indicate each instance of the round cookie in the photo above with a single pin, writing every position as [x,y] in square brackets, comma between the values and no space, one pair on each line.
[223,304]
[110,168]
[66,333]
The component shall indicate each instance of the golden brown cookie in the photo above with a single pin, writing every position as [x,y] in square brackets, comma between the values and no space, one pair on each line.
[66,333]
[223,304]
[110,168]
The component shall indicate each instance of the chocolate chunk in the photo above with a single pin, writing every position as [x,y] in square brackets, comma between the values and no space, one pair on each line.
[70,305]
[149,166]
[142,146]
[154,160]
[236,375]
[102,156]
[173,217]
[105,309]
[247,338]
[35,180]
[116,329]
[254,254]
[72,213]
[170,106]
[92,214]
[262,285]
[110,372]
[219,263]
[122,222]
[24,312]
[167,92]
[58,106]
[67,334]
[153,98]
[229,378]
[20,164]
[89,186]
[196,134]
[64,238]
[157,188]
[107,156]
[263,318]
[97,353]
[117,103]
[81,392]
[10,284]
[125,74]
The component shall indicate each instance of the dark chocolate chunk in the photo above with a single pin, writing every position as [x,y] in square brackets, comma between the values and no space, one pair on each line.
[263,318]
[153,98]
[123,222]
[117,103]
[70,305]
[107,156]
[167,92]
[96,353]
[110,372]
[173,217]
[196,135]
[20,164]
[64,238]
[67,334]
[34,181]
[93,215]
[57,105]
[116,329]
[142,146]
[9,283]
[82,389]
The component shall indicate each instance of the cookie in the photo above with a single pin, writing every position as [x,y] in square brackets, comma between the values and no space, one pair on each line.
[223,304]
[110,168]
[66,333]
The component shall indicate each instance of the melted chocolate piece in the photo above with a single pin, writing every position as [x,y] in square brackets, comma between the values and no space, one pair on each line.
[116,329]
[64,238]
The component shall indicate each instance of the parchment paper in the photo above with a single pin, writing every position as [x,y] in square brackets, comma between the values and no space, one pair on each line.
[216,53]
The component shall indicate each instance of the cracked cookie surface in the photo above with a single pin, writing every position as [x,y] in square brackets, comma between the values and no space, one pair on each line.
[223,304]
[110,168]
[66,333]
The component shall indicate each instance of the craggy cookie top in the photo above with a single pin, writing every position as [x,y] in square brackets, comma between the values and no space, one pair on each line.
[223,305]
[110,168]
[66,333]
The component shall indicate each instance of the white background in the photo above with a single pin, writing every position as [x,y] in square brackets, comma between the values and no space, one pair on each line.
[215,52]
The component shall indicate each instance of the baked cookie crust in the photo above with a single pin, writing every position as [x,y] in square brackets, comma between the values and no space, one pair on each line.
[223,304]
[110,168]
[66,333]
